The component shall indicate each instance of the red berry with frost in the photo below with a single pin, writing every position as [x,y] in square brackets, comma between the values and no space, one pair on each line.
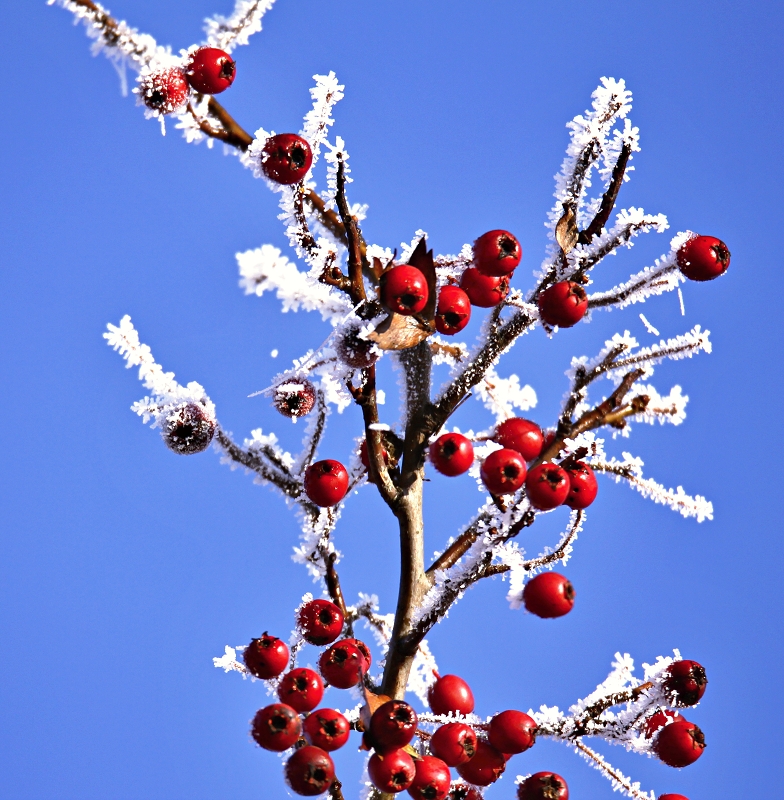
[484,291]
[462,791]
[276,727]
[582,486]
[327,729]
[703,258]
[512,732]
[547,486]
[393,725]
[450,693]
[392,772]
[188,429]
[452,454]
[486,767]
[522,435]
[549,595]
[342,665]
[679,744]
[497,253]
[503,471]
[543,786]
[164,91]
[211,70]
[310,771]
[454,743]
[404,289]
[364,651]
[286,158]
[302,689]
[355,351]
[432,779]
[294,397]
[657,721]
[266,657]
[564,304]
[453,310]
[686,681]
[320,622]
[326,482]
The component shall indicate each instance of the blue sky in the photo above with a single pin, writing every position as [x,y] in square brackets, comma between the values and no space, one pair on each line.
[124,568]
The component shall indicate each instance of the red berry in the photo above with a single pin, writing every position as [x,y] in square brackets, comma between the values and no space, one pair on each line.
[582,486]
[392,772]
[543,786]
[286,158]
[188,429]
[327,729]
[673,797]
[342,665]
[310,771]
[485,767]
[355,351]
[679,744]
[497,253]
[266,657]
[657,721]
[363,649]
[521,435]
[547,486]
[432,779]
[363,455]
[450,693]
[484,291]
[164,91]
[686,681]
[320,622]
[302,689]
[512,732]
[211,70]
[276,727]
[452,454]
[454,743]
[453,310]
[326,482]
[462,791]
[564,304]
[393,725]
[294,397]
[549,595]
[404,289]
[703,258]
[503,471]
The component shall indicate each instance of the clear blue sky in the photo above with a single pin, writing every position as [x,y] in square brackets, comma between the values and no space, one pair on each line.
[124,568]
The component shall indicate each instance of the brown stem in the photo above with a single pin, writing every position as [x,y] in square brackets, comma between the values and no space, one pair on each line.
[336,790]
[333,584]
[609,197]
[353,237]
[594,711]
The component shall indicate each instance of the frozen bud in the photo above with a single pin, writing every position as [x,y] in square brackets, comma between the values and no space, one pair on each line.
[295,397]
[188,429]
[355,351]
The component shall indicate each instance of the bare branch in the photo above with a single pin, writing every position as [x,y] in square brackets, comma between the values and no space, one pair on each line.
[609,197]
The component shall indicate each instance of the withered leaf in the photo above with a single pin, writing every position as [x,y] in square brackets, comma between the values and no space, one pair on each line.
[566,231]
[398,332]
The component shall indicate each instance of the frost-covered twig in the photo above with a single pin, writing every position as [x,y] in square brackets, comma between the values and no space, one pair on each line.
[226,33]
[619,781]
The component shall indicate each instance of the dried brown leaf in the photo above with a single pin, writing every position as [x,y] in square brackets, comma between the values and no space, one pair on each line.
[399,332]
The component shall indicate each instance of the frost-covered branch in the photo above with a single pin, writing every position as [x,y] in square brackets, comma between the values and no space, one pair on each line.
[619,781]
[226,33]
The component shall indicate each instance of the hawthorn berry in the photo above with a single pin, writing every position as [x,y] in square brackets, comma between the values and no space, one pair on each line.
[686,681]
[679,744]
[276,727]
[302,689]
[563,304]
[450,693]
[404,289]
[363,649]
[547,486]
[393,725]
[432,779]
[327,729]
[294,397]
[486,767]
[549,595]
[497,253]
[453,310]
[452,454]
[286,158]
[211,70]
[392,772]
[484,291]
[266,657]
[326,482]
[543,786]
[342,665]
[703,258]
[503,471]
[355,351]
[165,91]
[582,485]
[657,721]
[462,791]
[320,622]
[512,732]
[188,429]
[454,743]
[672,797]
[522,435]
[309,771]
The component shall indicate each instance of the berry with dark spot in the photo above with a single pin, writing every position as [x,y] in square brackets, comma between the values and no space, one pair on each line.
[497,253]
[679,744]
[309,771]
[327,729]
[563,304]
[432,779]
[165,91]
[450,693]
[484,291]
[521,435]
[582,485]
[188,429]
[512,732]
[363,649]
[503,471]
[391,772]
[211,70]
[703,258]
[452,454]
[686,681]
[454,743]
[326,482]
[404,289]
[320,622]
[393,725]
[355,351]
[294,397]
[342,665]
[276,727]
[302,689]
[453,310]
[486,767]
[286,158]
[266,657]
[549,595]
[543,786]
[462,791]
[547,486]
